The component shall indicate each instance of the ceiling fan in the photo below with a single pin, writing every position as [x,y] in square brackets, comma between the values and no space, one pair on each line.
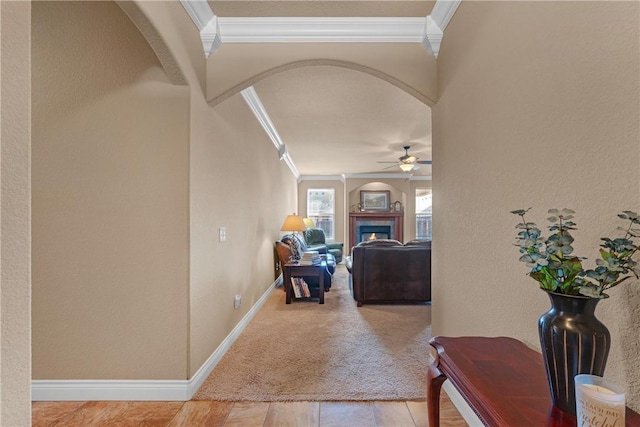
[409,163]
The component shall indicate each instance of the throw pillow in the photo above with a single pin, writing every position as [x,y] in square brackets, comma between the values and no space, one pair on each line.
[294,246]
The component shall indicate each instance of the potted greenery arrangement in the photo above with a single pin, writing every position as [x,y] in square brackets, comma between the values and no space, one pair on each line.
[569,332]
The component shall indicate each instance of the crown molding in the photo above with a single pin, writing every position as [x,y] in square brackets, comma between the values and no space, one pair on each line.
[443,11]
[342,178]
[217,30]
[432,37]
[202,15]
[410,177]
[199,12]
[287,159]
[436,23]
[322,178]
[210,36]
[421,178]
[253,101]
[287,29]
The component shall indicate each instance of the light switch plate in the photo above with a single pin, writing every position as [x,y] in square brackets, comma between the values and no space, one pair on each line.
[223,234]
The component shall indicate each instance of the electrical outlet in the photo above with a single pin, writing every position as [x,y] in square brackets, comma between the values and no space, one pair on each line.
[237,301]
[223,234]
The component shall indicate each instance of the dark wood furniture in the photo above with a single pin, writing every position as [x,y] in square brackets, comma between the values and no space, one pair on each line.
[502,380]
[398,227]
[296,270]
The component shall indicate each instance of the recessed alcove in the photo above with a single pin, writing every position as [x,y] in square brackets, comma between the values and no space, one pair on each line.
[363,223]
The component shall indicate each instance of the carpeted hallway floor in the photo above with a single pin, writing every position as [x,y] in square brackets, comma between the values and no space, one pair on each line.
[310,352]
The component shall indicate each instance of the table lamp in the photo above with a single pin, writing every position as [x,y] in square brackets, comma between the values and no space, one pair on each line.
[294,223]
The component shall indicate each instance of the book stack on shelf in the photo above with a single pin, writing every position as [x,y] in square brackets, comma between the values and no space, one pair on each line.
[310,258]
[300,287]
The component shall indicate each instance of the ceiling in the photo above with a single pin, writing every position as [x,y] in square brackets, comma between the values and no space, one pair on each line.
[334,120]
[321,8]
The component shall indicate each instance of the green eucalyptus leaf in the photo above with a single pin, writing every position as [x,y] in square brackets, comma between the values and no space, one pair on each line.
[635,232]
[590,291]
[556,269]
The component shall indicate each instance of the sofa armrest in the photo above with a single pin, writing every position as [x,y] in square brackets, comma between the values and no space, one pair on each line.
[322,249]
[335,245]
[348,263]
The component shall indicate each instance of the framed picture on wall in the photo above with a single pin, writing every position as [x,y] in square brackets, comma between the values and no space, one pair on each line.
[375,200]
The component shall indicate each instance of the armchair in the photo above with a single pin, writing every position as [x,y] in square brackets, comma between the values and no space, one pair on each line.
[315,238]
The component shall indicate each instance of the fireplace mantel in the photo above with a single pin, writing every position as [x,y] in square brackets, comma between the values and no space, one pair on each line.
[355,217]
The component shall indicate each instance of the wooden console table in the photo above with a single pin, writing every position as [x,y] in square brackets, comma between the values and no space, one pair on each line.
[502,380]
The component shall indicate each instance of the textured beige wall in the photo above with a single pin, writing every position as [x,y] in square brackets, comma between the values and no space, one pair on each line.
[237,182]
[538,107]
[110,200]
[249,195]
[134,178]
[223,193]
[15,216]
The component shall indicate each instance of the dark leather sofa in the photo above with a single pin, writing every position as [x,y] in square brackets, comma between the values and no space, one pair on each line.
[388,271]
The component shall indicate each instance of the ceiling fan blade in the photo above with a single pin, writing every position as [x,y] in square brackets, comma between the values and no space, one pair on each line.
[388,162]
[424,162]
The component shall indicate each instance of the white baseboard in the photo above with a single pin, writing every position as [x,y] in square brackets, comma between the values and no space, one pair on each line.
[149,390]
[67,390]
[201,375]
[458,401]
[461,405]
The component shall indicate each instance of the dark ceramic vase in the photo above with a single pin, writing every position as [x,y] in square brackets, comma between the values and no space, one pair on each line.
[573,342]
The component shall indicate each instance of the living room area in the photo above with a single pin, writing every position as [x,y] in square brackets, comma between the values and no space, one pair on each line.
[142,194]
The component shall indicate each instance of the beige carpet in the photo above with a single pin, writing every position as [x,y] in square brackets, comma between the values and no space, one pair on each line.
[335,351]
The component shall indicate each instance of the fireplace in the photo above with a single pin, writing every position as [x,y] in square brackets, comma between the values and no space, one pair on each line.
[386,225]
[371,232]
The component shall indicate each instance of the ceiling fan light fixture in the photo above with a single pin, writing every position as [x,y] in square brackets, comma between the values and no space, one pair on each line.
[406,167]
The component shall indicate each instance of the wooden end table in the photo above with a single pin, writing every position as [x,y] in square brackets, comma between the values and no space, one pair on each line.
[294,269]
[502,380]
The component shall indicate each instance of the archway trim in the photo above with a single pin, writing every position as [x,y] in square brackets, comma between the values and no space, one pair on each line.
[322,62]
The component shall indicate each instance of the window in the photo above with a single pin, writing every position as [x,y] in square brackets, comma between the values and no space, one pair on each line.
[423,213]
[321,209]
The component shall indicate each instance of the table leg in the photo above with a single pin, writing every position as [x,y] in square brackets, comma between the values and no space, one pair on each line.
[321,281]
[286,276]
[435,378]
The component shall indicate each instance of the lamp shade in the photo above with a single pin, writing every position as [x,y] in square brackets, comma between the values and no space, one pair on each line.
[293,223]
[309,223]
